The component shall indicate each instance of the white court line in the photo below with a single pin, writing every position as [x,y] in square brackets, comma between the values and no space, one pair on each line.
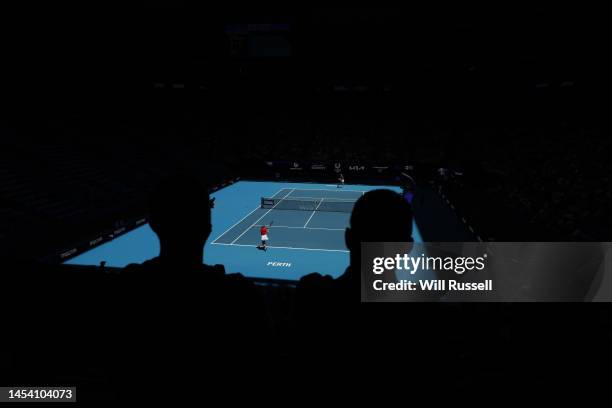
[309,228]
[260,218]
[278,247]
[350,191]
[243,218]
[313,213]
[296,198]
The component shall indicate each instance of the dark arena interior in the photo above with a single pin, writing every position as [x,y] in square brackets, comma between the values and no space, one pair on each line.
[147,150]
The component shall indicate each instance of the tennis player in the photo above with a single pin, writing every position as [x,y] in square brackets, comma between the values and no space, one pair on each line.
[264,236]
[340,181]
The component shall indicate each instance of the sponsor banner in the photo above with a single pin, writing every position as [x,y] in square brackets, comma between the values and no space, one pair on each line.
[101,239]
[69,253]
[380,169]
[486,272]
[119,231]
[95,242]
[356,168]
[296,166]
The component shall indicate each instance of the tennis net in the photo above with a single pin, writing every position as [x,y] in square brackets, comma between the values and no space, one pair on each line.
[307,204]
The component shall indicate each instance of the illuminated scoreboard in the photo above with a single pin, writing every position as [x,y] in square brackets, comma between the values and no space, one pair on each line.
[259,40]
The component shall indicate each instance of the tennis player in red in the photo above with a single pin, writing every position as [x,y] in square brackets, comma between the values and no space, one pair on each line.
[264,236]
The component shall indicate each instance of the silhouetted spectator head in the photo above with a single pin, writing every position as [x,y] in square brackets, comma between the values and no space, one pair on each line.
[323,304]
[180,215]
[378,216]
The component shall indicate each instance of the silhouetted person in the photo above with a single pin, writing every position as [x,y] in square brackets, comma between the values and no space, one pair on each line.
[181,317]
[378,216]
[326,308]
[180,215]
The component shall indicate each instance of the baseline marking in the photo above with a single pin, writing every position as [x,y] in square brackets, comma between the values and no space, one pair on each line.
[335,200]
[278,247]
[312,189]
[309,228]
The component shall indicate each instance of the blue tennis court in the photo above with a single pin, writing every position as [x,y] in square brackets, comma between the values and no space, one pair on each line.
[300,219]
[307,232]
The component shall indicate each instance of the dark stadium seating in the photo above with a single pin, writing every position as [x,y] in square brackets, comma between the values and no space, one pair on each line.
[73,190]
